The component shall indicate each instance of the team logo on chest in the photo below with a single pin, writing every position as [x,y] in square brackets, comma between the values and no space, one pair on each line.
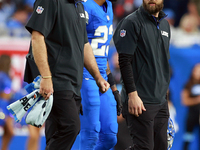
[123,33]
[39,9]
[164,33]
[82,15]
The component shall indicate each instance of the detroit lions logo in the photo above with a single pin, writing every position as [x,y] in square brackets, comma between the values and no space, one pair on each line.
[164,33]
[82,15]
[86,17]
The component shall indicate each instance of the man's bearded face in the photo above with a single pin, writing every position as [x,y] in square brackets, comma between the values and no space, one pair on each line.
[153,6]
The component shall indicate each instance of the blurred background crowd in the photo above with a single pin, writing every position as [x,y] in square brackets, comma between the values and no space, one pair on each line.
[184,91]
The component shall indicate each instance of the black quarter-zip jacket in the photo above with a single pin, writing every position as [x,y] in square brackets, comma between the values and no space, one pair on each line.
[63,24]
[143,46]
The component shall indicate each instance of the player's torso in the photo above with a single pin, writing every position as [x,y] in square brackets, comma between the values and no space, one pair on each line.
[99,30]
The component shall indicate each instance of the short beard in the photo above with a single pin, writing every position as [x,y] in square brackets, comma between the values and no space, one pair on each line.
[153,10]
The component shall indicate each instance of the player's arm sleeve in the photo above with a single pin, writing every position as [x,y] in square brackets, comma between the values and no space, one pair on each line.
[125,39]
[43,17]
[125,61]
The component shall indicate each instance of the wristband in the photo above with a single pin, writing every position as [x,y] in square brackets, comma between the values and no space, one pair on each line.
[111,80]
[46,77]
[115,92]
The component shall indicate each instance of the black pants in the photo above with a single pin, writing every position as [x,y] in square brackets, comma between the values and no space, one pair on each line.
[191,123]
[63,123]
[149,130]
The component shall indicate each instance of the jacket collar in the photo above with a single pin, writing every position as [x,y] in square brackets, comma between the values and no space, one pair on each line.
[160,16]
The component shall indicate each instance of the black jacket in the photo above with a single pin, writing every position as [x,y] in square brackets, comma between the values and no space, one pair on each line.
[62,22]
[145,40]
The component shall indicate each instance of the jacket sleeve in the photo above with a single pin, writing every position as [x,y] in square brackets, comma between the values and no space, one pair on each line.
[43,17]
[125,39]
[126,36]
[125,61]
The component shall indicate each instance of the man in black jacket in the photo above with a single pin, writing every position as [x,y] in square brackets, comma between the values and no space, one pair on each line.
[142,41]
[60,49]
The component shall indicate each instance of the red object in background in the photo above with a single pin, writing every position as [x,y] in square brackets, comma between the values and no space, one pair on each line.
[12,46]
[119,10]
[129,1]
[17,50]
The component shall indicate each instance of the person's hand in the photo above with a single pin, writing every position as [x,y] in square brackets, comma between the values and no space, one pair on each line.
[119,103]
[135,104]
[102,84]
[46,88]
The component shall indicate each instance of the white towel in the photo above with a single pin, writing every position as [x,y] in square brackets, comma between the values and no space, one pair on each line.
[19,108]
[39,107]
[40,111]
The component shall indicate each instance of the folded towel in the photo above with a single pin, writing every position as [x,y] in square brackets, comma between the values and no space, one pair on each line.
[40,111]
[38,107]
[19,108]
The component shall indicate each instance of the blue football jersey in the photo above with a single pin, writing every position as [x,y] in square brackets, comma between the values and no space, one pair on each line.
[5,83]
[99,25]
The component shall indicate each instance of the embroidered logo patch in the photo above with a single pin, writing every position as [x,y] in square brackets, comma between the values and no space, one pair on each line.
[82,15]
[87,17]
[123,33]
[39,9]
[164,33]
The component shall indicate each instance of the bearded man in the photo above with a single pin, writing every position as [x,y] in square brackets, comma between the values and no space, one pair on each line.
[142,41]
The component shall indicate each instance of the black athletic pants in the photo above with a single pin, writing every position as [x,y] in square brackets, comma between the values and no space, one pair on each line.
[149,130]
[191,123]
[63,124]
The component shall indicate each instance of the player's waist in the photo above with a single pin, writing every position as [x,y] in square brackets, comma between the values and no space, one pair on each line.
[87,75]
